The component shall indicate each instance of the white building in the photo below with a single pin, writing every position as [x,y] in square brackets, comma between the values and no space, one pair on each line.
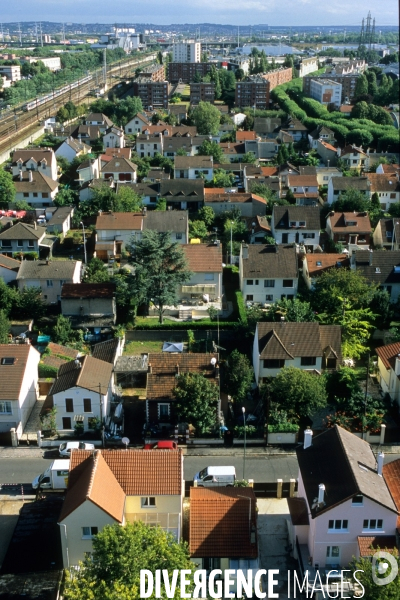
[12,72]
[49,276]
[326,91]
[186,52]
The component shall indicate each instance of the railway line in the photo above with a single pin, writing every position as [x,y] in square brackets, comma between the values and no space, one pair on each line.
[19,124]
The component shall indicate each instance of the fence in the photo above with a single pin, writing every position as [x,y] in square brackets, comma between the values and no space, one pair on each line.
[170,335]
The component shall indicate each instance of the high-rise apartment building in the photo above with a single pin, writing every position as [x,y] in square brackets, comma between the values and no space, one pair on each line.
[186,52]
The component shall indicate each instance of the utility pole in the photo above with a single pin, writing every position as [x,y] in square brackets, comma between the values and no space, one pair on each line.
[105,68]
[41,35]
[20,34]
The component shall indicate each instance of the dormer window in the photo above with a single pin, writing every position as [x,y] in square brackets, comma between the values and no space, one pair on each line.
[293,223]
[8,360]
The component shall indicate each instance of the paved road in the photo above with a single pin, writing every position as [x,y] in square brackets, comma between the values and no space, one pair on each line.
[28,463]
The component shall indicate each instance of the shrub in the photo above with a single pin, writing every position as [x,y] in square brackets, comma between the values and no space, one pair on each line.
[241,307]
[47,371]
[284,428]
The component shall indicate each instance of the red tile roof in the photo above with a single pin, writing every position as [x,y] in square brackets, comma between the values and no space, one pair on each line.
[327,261]
[219,523]
[338,222]
[388,354]
[11,376]
[138,472]
[368,545]
[241,136]
[391,474]
[269,171]
[120,221]
[203,258]
[88,290]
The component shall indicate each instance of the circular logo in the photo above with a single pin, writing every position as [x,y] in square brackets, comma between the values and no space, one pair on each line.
[379,569]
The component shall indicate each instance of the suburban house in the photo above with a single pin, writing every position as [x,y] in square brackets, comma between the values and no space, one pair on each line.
[223,530]
[19,386]
[267,126]
[296,224]
[115,230]
[340,185]
[327,153]
[254,175]
[82,393]
[319,262]
[380,268]
[258,228]
[205,285]
[36,159]
[349,229]
[125,152]
[71,148]
[389,370]
[233,151]
[90,305]
[268,272]
[136,124]
[120,169]
[183,194]
[193,167]
[114,137]
[99,120]
[111,486]
[321,133]
[163,368]
[109,350]
[221,201]
[353,157]
[331,523]
[308,346]
[21,237]
[155,175]
[49,275]
[296,129]
[60,220]
[387,187]
[171,145]
[325,174]
[35,188]
[88,170]
[387,234]
[149,145]
[304,189]
[8,268]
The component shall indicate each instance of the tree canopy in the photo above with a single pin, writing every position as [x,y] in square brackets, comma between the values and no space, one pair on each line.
[206,117]
[119,554]
[238,376]
[7,189]
[196,401]
[298,392]
[160,266]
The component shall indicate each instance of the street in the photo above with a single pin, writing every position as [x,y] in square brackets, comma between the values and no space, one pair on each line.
[22,465]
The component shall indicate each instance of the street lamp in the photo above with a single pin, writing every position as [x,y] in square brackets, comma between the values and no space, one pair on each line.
[84,241]
[244,446]
[231,244]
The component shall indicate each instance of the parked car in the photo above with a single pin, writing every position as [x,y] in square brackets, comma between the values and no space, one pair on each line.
[66,447]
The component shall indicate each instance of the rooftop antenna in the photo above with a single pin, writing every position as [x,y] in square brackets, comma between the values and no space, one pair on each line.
[125,441]
[20,34]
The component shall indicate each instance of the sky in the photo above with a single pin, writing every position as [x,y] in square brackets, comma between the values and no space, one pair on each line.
[233,12]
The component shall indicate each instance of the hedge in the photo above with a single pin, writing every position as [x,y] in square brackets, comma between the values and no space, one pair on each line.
[47,371]
[241,307]
[284,428]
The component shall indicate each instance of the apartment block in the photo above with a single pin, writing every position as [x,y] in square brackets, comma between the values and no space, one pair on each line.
[187,52]
[153,94]
[348,83]
[186,71]
[154,72]
[326,91]
[255,89]
[202,92]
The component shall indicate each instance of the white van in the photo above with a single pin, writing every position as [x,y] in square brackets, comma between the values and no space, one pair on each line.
[215,477]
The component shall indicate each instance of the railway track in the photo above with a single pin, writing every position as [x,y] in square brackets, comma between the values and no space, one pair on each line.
[18,124]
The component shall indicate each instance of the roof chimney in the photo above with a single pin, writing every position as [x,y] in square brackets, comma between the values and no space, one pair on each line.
[30,176]
[144,211]
[380,459]
[20,175]
[35,225]
[150,368]
[307,438]
[245,251]
[321,493]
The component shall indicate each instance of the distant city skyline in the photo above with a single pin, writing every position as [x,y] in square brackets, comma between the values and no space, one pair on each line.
[245,13]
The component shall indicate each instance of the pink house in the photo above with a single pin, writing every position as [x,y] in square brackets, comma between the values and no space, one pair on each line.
[343,502]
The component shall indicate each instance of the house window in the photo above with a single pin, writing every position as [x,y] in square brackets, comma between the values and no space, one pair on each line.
[178,236]
[69,405]
[273,363]
[89,532]
[249,297]
[148,502]
[249,281]
[163,410]
[285,238]
[45,194]
[373,524]
[331,363]
[338,524]
[357,500]
[6,243]
[5,407]
[31,243]
[8,360]
[49,283]
[66,423]
[35,194]
[332,551]
[269,298]
[20,243]
[209,277]
[209,564]
[87,405]
[287,283]
[308,361]
[256,282]
[269,282]
[26,194]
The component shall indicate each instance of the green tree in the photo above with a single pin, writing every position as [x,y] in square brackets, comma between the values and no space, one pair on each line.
[7,189]
[394,210]
[332,286]
[161,204]
[96,272]
[198,229]
[238,376]
[372,84]
[160,266]
[127,200]
[360,137]
[350,201]
[6,297]
[196,401]
[119,554]
[223,179]
[298,392]
[342,383]
[361,88]
[295,311]
[209,148]
[4,327]
[391,591]
[249,158]
[207,215]
[66,197]
[28,303]
[62,331]
[206,118]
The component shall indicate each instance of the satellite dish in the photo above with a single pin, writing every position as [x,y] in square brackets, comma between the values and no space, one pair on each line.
[125,441]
